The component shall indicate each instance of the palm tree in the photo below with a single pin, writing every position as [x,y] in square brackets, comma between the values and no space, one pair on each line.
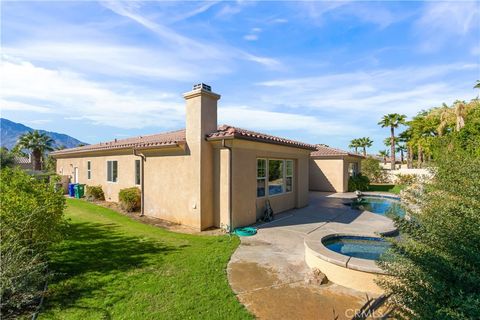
[392,120]
[354,143]
[406,138]
[477,85]
[459,114]
[37,143]
[401,148]
[365,143]
[384,155]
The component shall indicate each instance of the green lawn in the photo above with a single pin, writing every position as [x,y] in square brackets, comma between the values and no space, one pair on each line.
[112,267]
[392,188]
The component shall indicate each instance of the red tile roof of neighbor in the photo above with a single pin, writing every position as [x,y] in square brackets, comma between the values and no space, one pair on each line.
[326,151]
[176,137]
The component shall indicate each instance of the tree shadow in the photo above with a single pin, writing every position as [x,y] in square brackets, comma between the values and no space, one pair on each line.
[90,258]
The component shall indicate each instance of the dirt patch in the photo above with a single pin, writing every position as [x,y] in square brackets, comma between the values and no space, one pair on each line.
[297,301]
[164,224]
[247,276]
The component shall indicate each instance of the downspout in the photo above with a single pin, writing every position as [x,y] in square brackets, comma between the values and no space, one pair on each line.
[230,178]
[142,194]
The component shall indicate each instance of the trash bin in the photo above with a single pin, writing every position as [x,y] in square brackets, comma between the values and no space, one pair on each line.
[79,190]
[71,189]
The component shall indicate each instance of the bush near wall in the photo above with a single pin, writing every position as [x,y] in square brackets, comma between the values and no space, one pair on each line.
[130,199]
[372,169]
[94,193]
[358,182]
[31,215]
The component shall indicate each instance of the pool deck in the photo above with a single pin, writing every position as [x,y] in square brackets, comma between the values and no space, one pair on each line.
[268,271]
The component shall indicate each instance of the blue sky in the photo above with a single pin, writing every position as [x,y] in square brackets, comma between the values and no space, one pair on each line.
[319,72]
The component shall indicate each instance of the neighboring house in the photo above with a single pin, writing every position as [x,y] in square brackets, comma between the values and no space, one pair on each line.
[330,168]
[23,162]
[203,176]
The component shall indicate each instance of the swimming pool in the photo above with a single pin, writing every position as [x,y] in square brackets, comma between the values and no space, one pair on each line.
[370,248]
[380,205]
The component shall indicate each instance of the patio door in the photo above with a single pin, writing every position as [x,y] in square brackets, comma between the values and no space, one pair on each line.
[75,175]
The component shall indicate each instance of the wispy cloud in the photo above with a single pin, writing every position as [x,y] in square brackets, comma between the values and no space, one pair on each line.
[384,90]
[69,94]
[443,22]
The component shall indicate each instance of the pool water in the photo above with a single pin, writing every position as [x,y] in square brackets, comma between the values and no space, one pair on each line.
[382,206]
[370,248]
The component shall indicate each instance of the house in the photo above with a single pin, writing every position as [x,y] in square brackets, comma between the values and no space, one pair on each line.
[23,162]
[202,176]
[330,168]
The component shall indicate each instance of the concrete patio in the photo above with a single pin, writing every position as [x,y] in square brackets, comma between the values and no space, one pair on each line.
[268,271]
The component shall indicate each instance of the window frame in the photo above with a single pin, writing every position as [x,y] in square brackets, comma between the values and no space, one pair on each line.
[89,170]
[264,178]
[108,171]
[139,174]
[284,177]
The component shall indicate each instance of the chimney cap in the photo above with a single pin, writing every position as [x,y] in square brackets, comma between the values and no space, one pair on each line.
[202,86]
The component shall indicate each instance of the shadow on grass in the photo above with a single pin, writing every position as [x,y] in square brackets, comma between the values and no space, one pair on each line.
[91,258]
[381,187]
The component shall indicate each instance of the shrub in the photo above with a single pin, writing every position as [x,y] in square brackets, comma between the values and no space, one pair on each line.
[358,182]
[372,169]
[130,199]
[31,214]
[434,264]
[94,193]
[406,179]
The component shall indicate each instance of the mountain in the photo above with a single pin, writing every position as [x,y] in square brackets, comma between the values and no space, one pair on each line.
[11,131]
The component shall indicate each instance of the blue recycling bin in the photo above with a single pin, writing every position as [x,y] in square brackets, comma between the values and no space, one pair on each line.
[71,189]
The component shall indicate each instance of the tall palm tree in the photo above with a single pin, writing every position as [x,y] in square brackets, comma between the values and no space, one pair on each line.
[365,143]
[38,143]
[384,155]
[406,138]
[392,120]
[477,85]
[355,144]
[401,148]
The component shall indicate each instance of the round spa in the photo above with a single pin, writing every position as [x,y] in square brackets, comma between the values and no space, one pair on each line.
[348,260]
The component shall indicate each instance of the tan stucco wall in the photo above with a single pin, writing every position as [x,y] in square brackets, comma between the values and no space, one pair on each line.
[330,174]
[246,207]
[126,171]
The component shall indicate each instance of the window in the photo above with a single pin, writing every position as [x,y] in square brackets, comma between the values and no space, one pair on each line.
[261,177]
[289,176]
[89,170]
[352,169]
[137,172]
[275,177]
[112,171]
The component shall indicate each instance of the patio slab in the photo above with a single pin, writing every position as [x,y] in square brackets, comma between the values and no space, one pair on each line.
[268,271]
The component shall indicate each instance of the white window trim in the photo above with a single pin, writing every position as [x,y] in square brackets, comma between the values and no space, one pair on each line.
[267,173]
[112,171]
[265,178]
[89,170]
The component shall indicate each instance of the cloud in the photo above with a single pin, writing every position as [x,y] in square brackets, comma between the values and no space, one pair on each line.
[249,117]
[385,90]
[187,47]
[442,23]
[31,88]
[251,37]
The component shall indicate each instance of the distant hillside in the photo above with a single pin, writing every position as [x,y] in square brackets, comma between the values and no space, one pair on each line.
[11,131]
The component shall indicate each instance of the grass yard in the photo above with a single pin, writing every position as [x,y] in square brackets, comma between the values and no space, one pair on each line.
[392,188]
[112,267]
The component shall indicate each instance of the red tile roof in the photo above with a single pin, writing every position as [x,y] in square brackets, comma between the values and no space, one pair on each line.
[326,151]
[177,137]
[226,131]
[149,141]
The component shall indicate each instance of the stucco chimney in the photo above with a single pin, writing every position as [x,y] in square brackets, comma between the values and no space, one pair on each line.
[201,119]
[201,112]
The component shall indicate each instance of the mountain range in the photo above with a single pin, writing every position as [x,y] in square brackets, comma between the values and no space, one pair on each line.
[11,131]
